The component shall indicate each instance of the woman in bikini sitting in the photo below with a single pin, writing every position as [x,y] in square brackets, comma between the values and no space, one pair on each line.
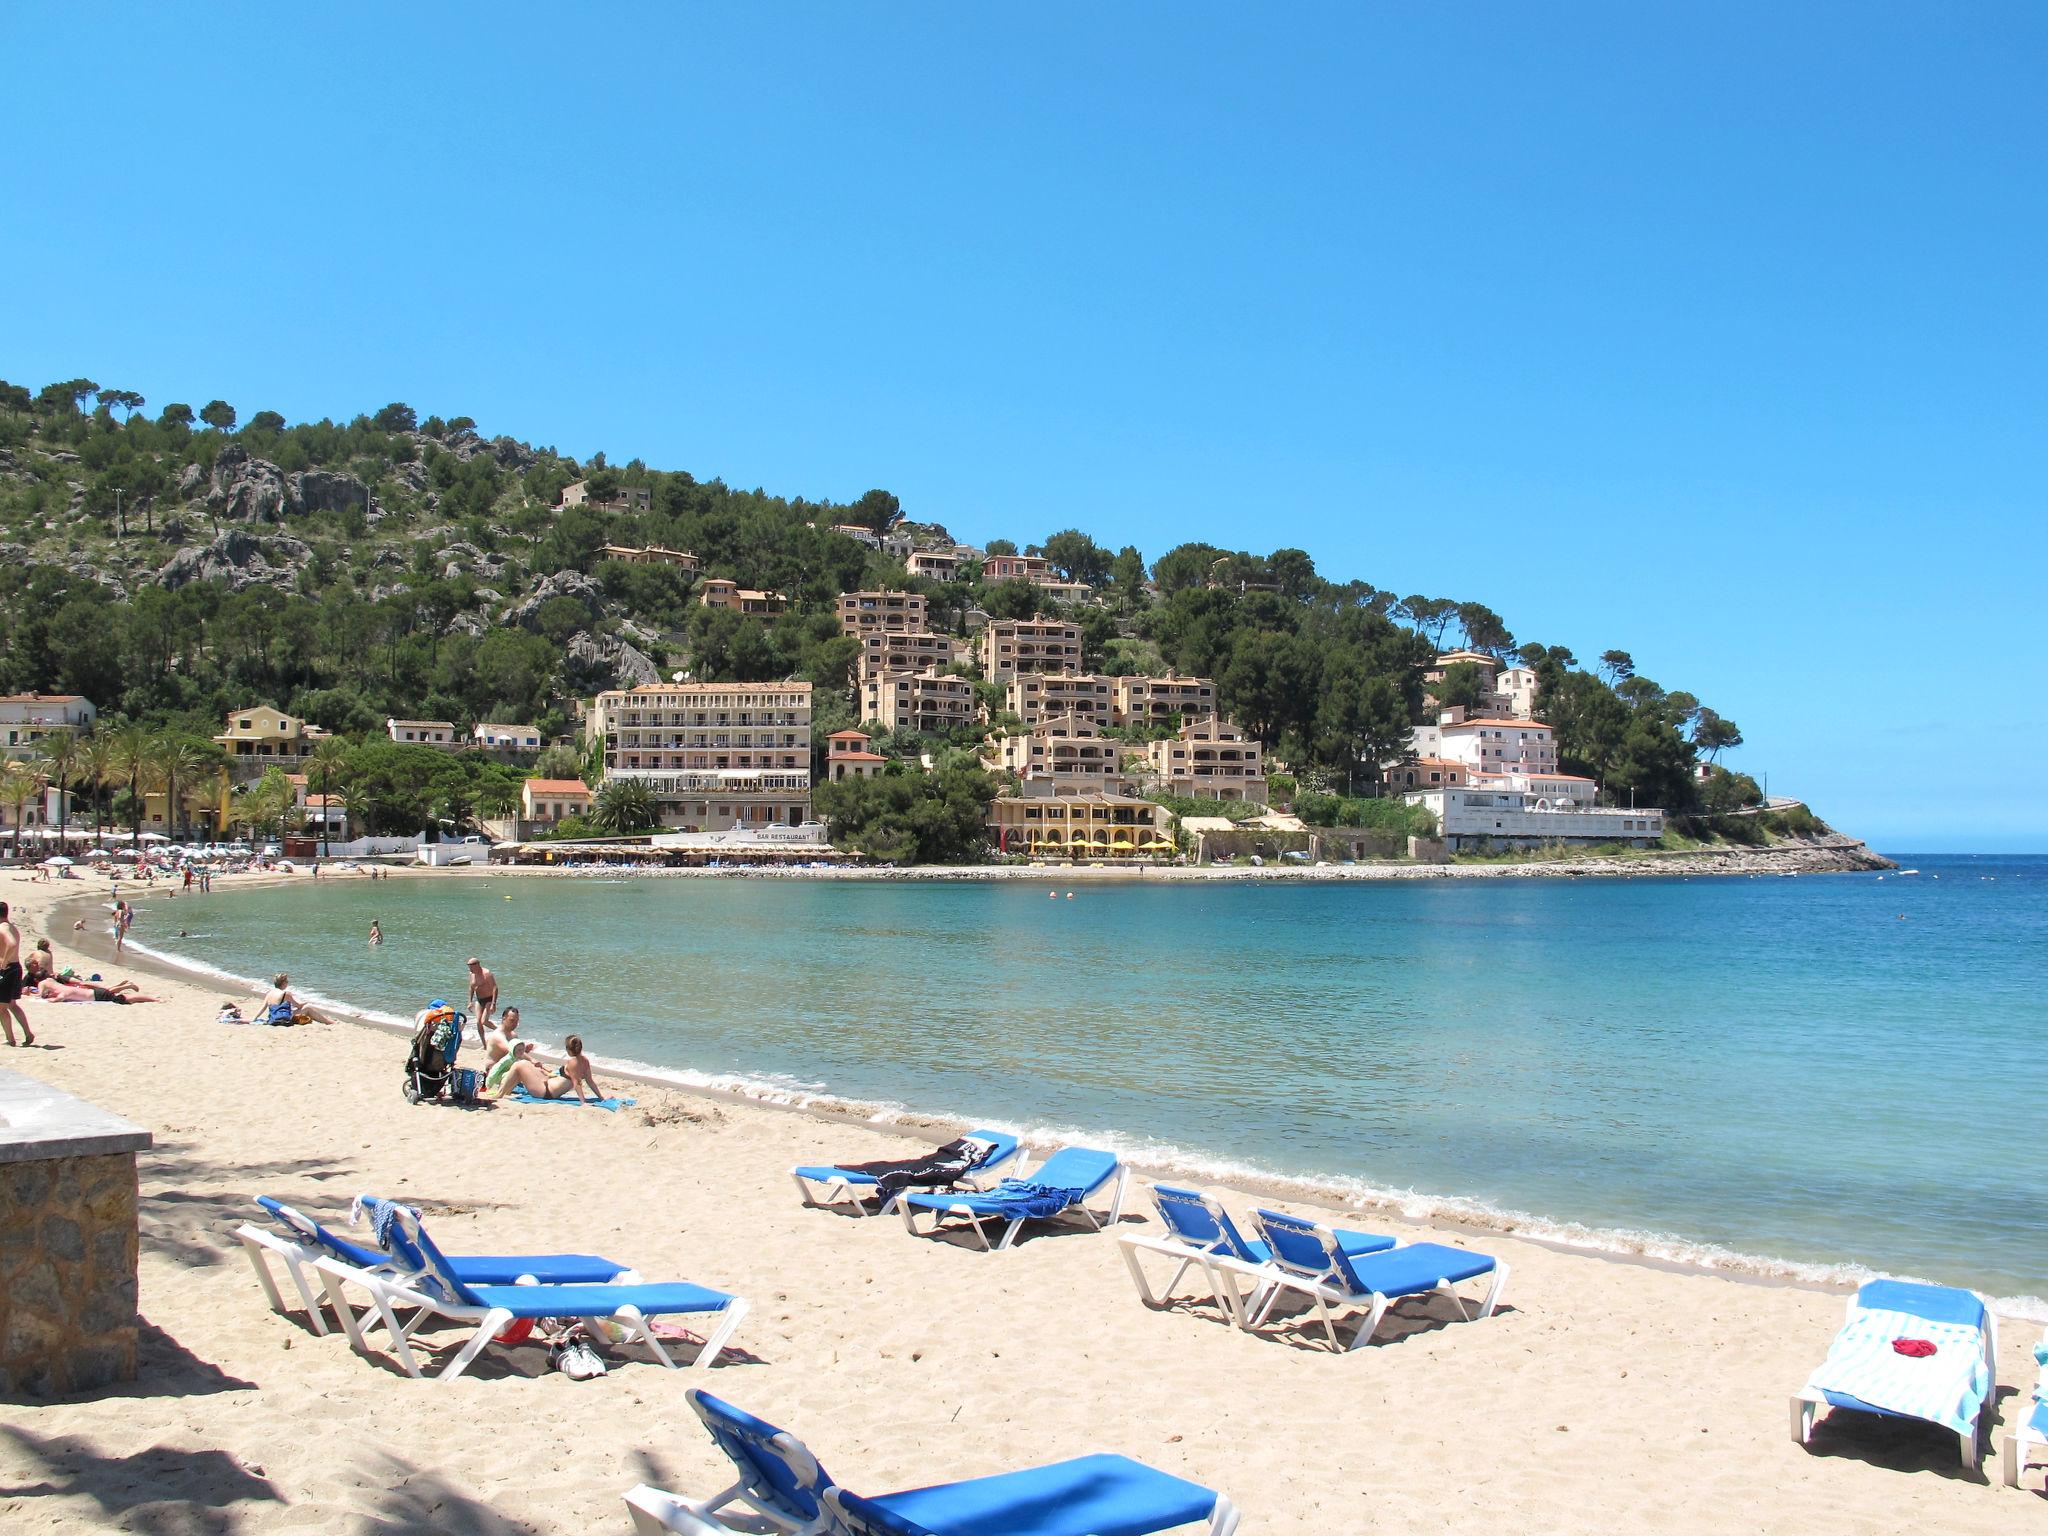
[572,1076]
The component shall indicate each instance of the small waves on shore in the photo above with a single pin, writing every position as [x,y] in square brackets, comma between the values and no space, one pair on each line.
[1175,1161]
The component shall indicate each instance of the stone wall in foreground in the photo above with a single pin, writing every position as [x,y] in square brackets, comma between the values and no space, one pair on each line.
[67,1273]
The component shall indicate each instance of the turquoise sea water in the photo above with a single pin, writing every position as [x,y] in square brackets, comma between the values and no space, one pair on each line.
[1824,1072]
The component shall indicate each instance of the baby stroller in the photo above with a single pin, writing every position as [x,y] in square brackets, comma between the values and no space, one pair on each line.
[432,1061]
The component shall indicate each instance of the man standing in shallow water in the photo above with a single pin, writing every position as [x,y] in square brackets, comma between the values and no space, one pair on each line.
[483,991]
[10,980]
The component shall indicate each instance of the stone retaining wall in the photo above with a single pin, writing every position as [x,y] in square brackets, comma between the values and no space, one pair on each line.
[67,1241]
[67,1273]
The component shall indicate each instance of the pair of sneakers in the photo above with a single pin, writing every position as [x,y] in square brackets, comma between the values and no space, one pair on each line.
[572,1355]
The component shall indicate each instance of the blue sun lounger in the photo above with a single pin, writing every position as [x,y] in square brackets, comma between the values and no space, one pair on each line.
[845,1186]
[1309,1260]
[299,1241]
[1954,1386]
[1198,1228]
[2031,1433]
[782,1487]
[421,1277]
[1062,1184]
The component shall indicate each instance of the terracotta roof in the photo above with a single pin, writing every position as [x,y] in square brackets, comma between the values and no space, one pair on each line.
[858,757]
[1495,725]
[42,698]
[557,786]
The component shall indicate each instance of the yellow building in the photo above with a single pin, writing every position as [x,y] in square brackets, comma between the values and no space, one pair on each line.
[263,738]
[1086,826]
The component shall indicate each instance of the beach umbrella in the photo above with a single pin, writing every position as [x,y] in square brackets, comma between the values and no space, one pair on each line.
[58,859]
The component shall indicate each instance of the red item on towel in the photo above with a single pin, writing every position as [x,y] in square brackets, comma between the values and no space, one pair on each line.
[1918,1349]
[518,1331]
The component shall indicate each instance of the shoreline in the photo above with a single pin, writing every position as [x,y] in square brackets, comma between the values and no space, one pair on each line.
[1835,854]
[1655,1248]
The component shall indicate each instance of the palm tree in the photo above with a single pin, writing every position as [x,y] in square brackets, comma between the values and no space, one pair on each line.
[61,749]
[95,754]
[329,763]
[17,788]
[625,805]
[154,779]
[128,761]
[181,763]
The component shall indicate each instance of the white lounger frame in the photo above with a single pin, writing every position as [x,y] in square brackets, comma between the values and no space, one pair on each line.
[298,1258]
[840,1191]
[1269,1280]
[1807,1402]
[2023,1437]
[979,1221]
[389,1293]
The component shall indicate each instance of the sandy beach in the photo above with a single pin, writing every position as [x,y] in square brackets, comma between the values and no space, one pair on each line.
[1605,1394]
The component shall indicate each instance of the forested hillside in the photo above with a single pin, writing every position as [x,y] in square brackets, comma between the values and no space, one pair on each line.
[173,566]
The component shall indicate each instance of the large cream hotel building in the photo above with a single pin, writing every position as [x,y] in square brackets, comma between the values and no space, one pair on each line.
[715,755]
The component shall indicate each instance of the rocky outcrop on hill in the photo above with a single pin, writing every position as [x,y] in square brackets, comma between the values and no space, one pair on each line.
[238,558]
[243,489]
[570,584]
[322,490]
[591,661]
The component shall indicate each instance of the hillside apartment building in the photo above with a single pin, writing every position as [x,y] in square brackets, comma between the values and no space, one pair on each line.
[1011,646]
[1208,759]
[929,700]
[894,613]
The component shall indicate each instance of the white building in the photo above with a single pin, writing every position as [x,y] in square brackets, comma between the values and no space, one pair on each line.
[1489,746]
[932,564]
[1517,685]
[898,545]
[504,738]
[1485,815]
[26,718]
[427,733]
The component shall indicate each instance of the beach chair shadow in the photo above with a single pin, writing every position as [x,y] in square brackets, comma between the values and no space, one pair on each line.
[1907,1446]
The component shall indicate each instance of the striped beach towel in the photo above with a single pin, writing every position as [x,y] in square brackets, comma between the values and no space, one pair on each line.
[1947,1387]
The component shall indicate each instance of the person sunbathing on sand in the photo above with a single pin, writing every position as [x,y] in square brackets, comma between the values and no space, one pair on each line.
[572,1076]
[123,992]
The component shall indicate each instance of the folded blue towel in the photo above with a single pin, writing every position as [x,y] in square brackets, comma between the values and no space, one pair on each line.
[521,1096]
[1019,1197]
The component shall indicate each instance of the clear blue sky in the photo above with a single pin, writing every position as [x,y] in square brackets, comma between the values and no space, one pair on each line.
[1714,333]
